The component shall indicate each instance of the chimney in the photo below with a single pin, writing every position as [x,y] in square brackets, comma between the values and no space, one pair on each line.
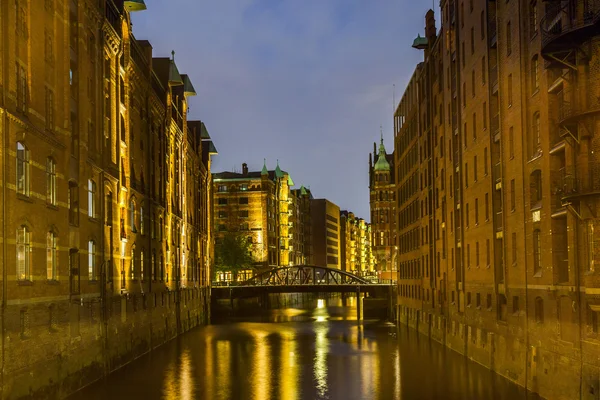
[244,169]
[430,29]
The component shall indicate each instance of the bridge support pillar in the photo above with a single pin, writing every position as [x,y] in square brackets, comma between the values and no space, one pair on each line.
[344,299]
[358,304]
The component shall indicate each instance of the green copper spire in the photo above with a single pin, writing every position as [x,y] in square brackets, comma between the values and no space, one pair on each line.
[382,162]
[303,190]
[264,171]
[278,173]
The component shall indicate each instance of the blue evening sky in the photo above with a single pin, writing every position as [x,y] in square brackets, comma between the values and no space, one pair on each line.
[307,82]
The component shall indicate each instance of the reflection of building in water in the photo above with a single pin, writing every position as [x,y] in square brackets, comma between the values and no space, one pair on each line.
[288,373]
[260,365]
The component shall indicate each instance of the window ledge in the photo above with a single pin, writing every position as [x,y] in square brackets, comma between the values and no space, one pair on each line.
[52,282]
[25,283]
[52,206]
[93,282]
[537,274]
[93,219]
[23,197]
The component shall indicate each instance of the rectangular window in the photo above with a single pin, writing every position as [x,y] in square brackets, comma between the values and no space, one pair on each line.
[487,252]
[511,142]
[467,214]
[468,255]
[533,20]
[222,202]
[477,254]
[466,174]
[91,260]
[222,188]
[508,39]
[244,213]
[50,181]
[478,300]
[483,68]
[487,207]
[512,195]
[51,266]
[472,40]
[516,304]
[509,91]
[476,211]
[23,254]
[243,200]
[22,169]
[475,168]
[91,198]
[474,126]
[514,248]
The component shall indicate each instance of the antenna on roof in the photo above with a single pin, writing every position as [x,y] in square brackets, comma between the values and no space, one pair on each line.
[173,55]
[394,100]
[381,132]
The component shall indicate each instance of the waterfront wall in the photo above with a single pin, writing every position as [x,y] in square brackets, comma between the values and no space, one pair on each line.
[545,371]
[80,343]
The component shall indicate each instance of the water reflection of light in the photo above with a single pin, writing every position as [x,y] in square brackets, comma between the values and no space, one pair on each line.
[289,370]
[261,379]
[397,376]
[170,388]
[320,364]
[223,360]
[186,378]
[320,303]
[369,368]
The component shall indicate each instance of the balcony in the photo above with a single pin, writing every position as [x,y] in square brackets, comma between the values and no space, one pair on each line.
[563,31]
[495,124]
[579,181]
[499,224]
[493,33]
[574,104]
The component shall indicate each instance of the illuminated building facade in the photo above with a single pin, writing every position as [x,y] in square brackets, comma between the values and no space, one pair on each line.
[382,187]
[356,255]
[325,219]
[262,205]
[496,138]
[106,244]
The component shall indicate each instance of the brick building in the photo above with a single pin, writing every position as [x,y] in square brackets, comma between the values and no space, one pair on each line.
[355,243]
[262,204]
[325,217]
[382,187]
[106,241]
[494,139]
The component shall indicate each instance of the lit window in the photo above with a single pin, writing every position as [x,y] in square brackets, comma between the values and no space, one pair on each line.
[142,220]
[537,251]
[142,264]
[51,273]
[92,260]
[91,198]
[132,215]
[22,169]
[132,272]
[23,254]
[51,181]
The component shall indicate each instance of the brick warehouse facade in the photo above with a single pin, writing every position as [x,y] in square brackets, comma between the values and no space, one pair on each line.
[382,193]
[106,196]
[495,145]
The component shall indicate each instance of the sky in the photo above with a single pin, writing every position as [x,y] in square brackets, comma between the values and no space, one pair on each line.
[305,82]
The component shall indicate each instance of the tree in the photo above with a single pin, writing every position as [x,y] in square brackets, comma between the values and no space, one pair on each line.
[233,254]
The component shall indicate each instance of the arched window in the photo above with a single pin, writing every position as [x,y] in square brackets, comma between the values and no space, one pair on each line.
[537,252]
[91,198]
[51,181]
[23,254]
[51,261]
[539,310]
[91,260]
[132,215]
[22,169]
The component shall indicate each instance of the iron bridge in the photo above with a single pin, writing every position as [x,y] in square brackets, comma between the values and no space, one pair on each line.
[300,279]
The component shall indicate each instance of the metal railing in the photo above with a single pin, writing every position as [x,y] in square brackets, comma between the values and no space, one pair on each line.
[562,18]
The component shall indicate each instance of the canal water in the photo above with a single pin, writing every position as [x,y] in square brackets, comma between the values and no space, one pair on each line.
[320,352]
